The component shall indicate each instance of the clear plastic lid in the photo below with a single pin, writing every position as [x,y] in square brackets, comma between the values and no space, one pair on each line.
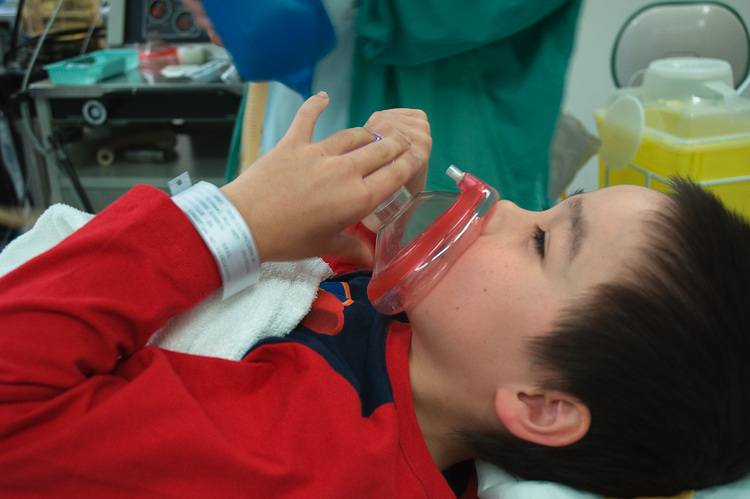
[418,244]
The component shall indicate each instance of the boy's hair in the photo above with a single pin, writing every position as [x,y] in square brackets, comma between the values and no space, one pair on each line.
[662,360]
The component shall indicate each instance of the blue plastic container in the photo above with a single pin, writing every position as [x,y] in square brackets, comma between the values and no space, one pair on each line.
[279,40]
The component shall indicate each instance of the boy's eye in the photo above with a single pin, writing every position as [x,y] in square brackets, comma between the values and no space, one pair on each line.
[539,237]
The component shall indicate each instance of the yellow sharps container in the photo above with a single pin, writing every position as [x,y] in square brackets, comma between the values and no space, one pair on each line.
[696,126]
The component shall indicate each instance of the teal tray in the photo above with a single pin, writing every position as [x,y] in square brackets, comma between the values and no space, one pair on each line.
[91,68]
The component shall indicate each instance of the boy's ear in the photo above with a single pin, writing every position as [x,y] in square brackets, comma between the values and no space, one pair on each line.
[545,417]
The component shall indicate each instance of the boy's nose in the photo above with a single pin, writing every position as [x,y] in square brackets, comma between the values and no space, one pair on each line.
[507,216]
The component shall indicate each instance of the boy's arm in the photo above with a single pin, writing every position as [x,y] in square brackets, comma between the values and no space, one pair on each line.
[73,311]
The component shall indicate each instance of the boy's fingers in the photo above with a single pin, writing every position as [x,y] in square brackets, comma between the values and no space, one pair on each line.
[390,121]
[347,140]
[376,155]
[384,181]
[303,124]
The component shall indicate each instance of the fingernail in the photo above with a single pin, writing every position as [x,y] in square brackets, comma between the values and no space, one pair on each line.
[322,94]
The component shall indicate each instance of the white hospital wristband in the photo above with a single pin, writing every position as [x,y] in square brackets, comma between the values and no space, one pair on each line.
[225,232]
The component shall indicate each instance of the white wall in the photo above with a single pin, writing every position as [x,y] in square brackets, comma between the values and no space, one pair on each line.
[589,77]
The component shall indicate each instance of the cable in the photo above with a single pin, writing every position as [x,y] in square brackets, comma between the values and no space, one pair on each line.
[16,29]
[11,162]
[91,31]
[71,171]
[26,117]
[38,48]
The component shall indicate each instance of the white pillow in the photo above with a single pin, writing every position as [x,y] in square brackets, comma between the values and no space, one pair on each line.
[497,484]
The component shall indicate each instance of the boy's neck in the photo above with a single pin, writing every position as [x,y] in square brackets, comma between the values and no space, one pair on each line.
[437,422]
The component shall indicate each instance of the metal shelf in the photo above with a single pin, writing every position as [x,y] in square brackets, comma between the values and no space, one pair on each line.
[201,115]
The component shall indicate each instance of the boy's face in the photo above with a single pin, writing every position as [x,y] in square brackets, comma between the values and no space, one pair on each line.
[515,280]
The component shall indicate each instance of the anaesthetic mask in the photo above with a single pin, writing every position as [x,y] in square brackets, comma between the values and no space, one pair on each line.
[422,236]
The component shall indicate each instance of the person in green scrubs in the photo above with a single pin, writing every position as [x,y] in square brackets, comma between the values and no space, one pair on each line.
[490,75]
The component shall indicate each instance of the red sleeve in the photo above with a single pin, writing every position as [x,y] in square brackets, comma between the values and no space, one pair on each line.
[340,266]
[73,311]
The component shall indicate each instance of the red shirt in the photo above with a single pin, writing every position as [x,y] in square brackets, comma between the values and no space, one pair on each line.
[87,410]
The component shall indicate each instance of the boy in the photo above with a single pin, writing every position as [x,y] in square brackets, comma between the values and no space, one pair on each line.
[352,403]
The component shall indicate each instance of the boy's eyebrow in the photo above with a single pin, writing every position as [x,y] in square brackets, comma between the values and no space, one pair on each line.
[577,224]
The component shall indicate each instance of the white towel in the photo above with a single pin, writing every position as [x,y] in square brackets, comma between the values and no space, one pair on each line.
[228,328]
[55,224]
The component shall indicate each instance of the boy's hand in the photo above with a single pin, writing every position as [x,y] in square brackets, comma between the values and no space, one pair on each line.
[299,197]
[412,124]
